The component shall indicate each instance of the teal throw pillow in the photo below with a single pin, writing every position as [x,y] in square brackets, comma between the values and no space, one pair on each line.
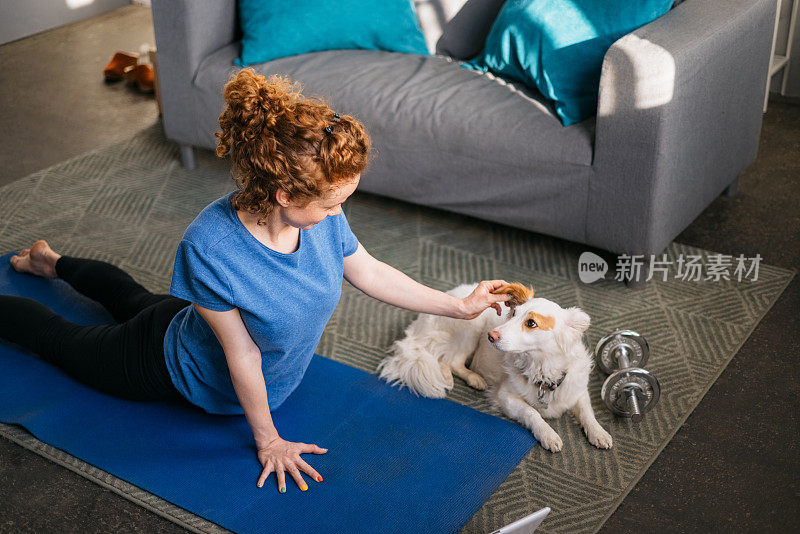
[277,28]
[558,46]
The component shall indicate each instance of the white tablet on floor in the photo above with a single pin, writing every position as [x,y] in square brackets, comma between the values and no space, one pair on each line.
[526,525]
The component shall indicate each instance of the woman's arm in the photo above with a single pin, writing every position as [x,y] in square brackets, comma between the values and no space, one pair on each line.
[387,284]
[244,363]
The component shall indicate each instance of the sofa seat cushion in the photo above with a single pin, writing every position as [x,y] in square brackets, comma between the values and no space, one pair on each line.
[418,101]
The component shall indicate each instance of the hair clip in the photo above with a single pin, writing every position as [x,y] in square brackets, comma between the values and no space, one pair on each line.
[329,129]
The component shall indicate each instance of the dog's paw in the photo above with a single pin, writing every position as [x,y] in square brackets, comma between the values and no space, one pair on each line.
[476,381]
[550,440]
[447,375]
[599,437]
[448,380]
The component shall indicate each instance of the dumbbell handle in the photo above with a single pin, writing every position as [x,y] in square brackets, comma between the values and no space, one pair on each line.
[632,400]
[622,353]
[631,392]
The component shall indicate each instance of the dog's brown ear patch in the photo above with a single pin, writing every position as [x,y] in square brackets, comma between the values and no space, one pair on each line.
[542,322]
[519,293]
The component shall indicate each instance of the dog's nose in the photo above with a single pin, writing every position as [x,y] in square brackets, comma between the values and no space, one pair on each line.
[494,335]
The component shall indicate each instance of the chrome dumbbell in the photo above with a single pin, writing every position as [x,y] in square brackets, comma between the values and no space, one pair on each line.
[629,391]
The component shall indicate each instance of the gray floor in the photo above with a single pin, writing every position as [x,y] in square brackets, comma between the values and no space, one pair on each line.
[733,464]
[54,102]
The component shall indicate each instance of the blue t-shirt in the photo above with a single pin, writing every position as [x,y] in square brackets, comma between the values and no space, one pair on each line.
[285,301]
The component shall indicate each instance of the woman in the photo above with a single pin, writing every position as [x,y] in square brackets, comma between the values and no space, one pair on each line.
[257,275]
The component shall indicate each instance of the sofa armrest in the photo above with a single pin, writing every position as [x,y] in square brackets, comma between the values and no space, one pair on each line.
[679,117]
[186,32]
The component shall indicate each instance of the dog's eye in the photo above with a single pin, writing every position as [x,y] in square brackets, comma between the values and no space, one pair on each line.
[530,323]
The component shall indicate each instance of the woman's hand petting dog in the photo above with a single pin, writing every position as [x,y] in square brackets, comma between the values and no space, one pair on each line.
[483,297]
[281,456]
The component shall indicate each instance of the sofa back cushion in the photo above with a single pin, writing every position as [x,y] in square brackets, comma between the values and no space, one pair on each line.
[456,28]
[275,28]
[558,46]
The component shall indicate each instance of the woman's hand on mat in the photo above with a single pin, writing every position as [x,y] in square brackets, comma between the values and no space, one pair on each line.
[482,297]
[283,456]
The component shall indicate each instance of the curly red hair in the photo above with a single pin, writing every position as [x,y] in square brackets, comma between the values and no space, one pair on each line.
[276,139]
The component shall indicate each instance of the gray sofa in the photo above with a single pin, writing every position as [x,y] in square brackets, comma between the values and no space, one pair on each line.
[679,117]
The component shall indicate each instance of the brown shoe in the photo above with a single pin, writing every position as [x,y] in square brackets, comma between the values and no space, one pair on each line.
[142,76]
[115,69]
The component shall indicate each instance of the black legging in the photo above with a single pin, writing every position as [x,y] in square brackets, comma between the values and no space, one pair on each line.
[125,359]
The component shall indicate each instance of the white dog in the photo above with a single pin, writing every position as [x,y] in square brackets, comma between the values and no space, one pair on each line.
[532,358]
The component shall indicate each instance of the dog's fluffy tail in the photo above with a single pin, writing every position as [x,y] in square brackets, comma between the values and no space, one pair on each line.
[415,363]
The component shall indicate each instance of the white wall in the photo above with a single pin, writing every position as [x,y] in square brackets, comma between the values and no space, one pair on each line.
[21,18]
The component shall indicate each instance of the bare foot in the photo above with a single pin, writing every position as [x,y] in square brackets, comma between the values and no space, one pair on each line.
[39,260]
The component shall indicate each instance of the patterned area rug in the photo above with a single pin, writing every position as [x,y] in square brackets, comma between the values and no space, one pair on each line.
[130,203]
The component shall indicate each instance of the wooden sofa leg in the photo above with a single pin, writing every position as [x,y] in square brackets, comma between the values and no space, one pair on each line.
[187,157]
[640,282]
[637,284]
[730,191]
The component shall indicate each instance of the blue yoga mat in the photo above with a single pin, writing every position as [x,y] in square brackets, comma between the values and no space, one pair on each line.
[396,462]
